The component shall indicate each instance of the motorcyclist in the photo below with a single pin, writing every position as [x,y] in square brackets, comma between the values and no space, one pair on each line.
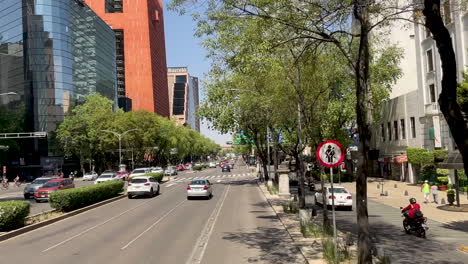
[412,211]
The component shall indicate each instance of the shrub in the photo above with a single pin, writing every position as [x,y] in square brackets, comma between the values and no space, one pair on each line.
[13,214]
[329,253]
[155,175]
[451,191]
[71,199]
[197,167]
[442,180]
[290,208]
[429,173]
[442,172]
[440,155]
[420,156]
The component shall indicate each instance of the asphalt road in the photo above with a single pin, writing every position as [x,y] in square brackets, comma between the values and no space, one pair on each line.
[236,226]
[387,233]
[16,193]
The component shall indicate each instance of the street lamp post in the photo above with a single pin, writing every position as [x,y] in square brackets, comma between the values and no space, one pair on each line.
[119,136]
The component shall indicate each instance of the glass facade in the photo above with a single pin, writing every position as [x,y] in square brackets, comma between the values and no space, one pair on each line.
[52,54]
[179,95]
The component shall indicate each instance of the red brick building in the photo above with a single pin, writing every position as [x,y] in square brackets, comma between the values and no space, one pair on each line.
[141,51]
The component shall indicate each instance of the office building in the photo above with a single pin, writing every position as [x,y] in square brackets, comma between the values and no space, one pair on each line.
[53,53]
[412,118]
[183,97]
[141,52]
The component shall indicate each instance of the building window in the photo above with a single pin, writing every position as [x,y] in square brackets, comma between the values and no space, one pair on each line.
[120,61]
[403,131]
[389,129]
[430,61]
[395,127]
[383,131]
[432,93]
[447,14]
[114,6]
[413,127]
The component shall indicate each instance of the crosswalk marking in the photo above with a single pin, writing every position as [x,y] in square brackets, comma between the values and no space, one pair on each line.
[212,177]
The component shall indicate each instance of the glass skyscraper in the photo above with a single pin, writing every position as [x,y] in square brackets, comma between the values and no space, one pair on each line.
[52,54]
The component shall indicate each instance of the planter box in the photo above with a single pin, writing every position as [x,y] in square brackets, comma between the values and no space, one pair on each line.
[443,188]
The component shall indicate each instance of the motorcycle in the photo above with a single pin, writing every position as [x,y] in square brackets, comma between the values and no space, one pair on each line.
[416,225]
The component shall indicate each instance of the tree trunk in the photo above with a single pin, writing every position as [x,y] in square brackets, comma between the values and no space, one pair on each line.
[265,171]
[326,221]
[361,14]
[300,179]
[448,97]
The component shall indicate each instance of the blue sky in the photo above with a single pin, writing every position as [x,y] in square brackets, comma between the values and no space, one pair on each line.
[184,49]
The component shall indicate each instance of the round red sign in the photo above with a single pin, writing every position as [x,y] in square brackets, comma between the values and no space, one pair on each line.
[330,153]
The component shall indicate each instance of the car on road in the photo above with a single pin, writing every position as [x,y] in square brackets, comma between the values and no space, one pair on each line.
[188,166]
[123,175]
[143,185]
[226,168]
[32,187]
[172,170]
[107,176]
[139,172]
[212,165]
[157,170]
[199,188]
[43,193]
[342,197]
[180,168]
[90,176]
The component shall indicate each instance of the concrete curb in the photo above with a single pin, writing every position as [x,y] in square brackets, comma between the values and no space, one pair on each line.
[32,227]
[281,221]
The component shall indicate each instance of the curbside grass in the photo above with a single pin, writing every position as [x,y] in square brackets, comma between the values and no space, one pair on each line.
[71,199]
[13,214]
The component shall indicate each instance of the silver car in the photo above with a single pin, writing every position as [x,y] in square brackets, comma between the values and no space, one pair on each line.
[170,171]
[199,188]
[31,188]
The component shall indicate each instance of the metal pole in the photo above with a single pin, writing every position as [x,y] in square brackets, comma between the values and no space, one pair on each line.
[333,209]
[268,151]
[120,149]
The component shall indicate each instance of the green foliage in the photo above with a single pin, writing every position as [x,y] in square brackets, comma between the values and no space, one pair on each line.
[440,155]
[450,192]
[197,167]
[272,189]
[442,172]
[420,156]
[13,214]
[315,229]
[442,180]
[462,93]
[71,199]
[158,176]
[429,173]
[330,255]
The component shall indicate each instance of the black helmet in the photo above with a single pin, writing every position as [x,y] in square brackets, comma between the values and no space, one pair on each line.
[412,200]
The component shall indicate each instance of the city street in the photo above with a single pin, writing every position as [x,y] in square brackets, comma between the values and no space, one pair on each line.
[16,194]
[236,226]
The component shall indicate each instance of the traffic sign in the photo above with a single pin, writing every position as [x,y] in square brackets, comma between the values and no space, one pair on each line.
[330,153]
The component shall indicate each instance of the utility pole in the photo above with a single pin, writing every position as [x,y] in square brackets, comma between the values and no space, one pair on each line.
[119,136]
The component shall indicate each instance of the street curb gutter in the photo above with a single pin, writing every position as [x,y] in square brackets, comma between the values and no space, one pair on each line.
[281,221]
[32,227]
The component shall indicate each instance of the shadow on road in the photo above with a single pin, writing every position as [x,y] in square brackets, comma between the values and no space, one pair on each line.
[458,226]
[274,245]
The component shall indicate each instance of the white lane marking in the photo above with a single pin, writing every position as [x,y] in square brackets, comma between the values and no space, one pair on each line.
[151,226]
[100,224]
[197,254]
[169,185]
[218,181]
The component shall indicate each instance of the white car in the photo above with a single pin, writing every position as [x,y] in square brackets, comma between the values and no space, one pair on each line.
[199,188]
[170,171]
[142,185]
[342,197]
[212,165]
[90,176]
[107,176]
[139,172]
[157,170]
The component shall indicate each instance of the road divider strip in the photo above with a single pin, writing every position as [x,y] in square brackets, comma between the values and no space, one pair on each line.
[200,247]
[154,224]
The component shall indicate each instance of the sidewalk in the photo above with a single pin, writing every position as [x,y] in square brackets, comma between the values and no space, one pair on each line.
[396,198]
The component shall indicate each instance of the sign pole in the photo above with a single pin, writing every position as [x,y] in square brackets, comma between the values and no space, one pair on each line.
[333,209]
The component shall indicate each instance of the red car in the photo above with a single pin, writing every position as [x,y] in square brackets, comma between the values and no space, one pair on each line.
[180,168]
[42,194]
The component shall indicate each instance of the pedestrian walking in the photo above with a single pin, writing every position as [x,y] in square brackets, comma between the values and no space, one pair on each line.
[434,190]
[425,188]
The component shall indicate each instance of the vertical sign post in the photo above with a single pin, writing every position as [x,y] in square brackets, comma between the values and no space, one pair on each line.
[330,154]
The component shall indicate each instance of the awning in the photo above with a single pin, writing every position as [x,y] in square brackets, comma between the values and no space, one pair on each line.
[453,161]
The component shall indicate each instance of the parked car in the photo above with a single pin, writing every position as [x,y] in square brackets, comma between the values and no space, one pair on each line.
[212,165]
[343,197]
[180,168]
[42,194]
[32,187]
[90,176]
[139,172]
[199,188]
[107,176]
[143,185]
[170,171]
[123,175]
[188,166]
[226,168]
[157,170]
